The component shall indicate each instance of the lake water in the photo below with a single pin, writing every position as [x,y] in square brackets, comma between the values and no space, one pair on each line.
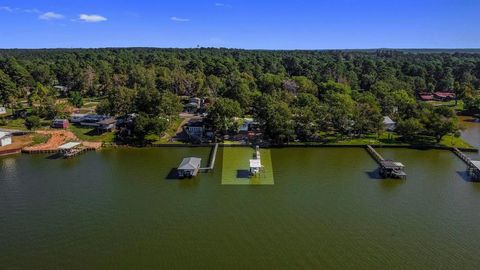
[325,209]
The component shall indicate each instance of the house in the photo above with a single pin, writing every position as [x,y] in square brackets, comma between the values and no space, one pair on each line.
[193,105]
[3,110]
[427,97]
[189,167]
[92,120]
[60,123]
[195,128]
[389,124]
[107,125]
[5,138]
[444,96]
[245,125]
[62,90]
[77,117]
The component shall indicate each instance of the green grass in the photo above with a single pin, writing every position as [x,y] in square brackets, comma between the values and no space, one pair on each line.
[169,133]
[40,138]
[90,134]
[452,141]
[18,124]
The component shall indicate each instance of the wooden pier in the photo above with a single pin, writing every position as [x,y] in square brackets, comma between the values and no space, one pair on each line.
[388,168]
[473,166]
[213,157]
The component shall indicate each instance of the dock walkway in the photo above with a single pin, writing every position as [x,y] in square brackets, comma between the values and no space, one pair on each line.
[473,166]
[213,157]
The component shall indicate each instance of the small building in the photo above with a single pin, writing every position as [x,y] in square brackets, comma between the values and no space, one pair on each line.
[189,167]
[245,125]
[70,149]
[427,97]
[389,124]
[255,166]
[389,168]
[444,96]
[77,117]
[5,138]
[62,90]
[194,104]
[195,128]
[60,123]
[3,111]
[92,120]
[107,125]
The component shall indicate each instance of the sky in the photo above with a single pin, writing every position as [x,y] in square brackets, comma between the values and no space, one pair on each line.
[246,24]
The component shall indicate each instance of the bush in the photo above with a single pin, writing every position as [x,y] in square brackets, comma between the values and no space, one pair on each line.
[32,122]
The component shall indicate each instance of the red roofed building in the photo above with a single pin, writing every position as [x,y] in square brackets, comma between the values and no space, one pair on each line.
[427,97]
[445,96]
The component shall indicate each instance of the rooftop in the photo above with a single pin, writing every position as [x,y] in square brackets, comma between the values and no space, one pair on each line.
[255,163]
[69,145]
[5,134]
[190,163]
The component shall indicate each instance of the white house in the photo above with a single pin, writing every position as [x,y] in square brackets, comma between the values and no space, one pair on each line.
[5,138]
[389,124]
[3,110]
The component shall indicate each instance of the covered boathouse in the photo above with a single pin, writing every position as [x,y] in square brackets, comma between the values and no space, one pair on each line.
[189,167]
[389,168]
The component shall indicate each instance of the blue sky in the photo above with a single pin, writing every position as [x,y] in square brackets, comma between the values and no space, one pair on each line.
[268,24]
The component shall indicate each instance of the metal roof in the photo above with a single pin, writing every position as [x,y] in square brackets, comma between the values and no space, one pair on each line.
[191,163]
[5,134]
[255,163]
[69,145]
[388,121]
[476,163]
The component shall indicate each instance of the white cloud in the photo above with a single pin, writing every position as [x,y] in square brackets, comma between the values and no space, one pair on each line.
[222,5]
[51,16]
[7,9]
[176,19]
[92,18]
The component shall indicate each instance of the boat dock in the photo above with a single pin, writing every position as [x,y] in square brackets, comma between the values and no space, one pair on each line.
[473,166]
[213,157]
[388,168]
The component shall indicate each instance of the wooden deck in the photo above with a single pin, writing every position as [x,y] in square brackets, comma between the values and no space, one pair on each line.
[472,168]
[213,157]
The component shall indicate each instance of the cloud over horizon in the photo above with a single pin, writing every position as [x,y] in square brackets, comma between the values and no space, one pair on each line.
[176,19]
[91,18]
[51,16]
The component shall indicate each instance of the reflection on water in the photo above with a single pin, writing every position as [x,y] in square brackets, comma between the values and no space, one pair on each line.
[9,167]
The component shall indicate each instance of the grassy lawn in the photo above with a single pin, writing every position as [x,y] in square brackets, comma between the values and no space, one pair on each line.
[18,124]
[40,138]
[90,134]
[169,133]
[452,141]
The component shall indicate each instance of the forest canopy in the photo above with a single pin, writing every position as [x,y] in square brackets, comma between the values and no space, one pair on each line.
[293,94]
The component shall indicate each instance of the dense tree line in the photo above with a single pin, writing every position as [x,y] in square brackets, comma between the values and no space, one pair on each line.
[292,94]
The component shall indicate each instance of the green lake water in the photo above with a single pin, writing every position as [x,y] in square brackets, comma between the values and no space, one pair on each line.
[326,209]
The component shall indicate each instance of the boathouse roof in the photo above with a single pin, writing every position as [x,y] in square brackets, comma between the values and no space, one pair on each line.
[391,164]
[255,163]
[190,163]
[69,145]
[476,163]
